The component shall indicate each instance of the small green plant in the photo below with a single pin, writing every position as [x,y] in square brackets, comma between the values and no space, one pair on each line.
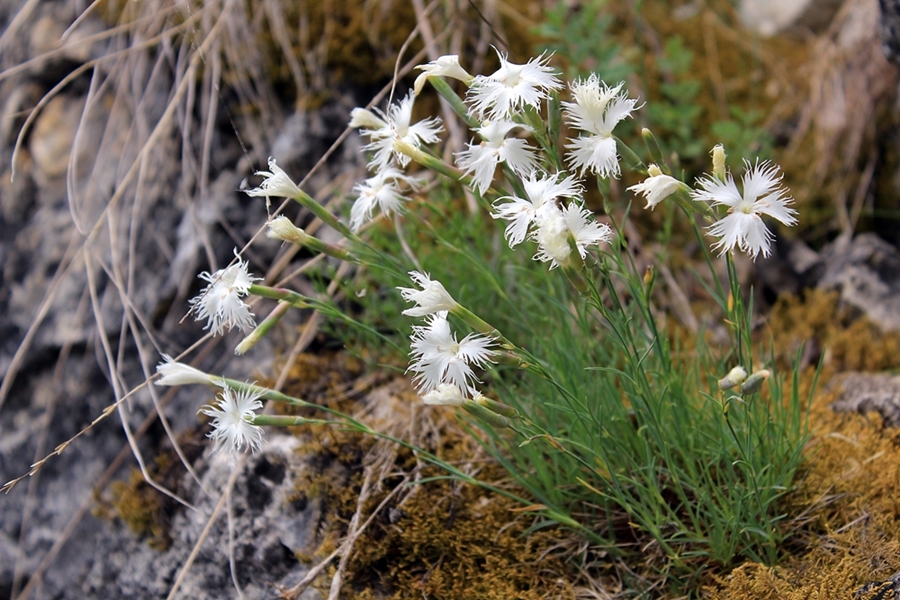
[545,331]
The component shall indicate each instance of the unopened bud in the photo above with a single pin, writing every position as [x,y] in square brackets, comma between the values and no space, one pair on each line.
[736,376]
[755,381]
[497,407]
[485,415]
[718,160]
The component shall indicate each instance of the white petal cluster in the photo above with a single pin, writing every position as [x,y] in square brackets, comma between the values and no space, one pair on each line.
[597,109]
[384,129]
[512,87]
[276,183]
[175,373]
[232,417]
[657,187]
[482,158]
[381,191]
[445,66]
[743,226]
[558,230]
[220,302]
[432,298]
[437,357]
[445,394]
[542,193]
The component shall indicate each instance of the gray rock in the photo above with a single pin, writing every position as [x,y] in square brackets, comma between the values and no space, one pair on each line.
[866,272]
[769,17]
[869,392]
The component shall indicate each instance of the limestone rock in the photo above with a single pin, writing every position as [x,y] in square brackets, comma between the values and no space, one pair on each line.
[769,17]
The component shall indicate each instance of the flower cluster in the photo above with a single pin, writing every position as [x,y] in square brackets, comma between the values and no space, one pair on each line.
[544,205]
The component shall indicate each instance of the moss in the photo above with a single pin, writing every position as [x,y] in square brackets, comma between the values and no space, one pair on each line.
[143,509]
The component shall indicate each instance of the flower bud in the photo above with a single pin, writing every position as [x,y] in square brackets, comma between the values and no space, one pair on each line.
[176,373]
[485,415]
[755,381]
[497,407]
[736,376]
[718,159]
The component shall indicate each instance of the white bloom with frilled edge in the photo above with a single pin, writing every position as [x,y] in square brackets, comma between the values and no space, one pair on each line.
[444,66]
[220,302]
[483,158]
[232,424]
[512,86]
[439,358]
[276,183]
[361,118]
[743,226]
[542,192]
[175,373]
[657,187]
[445,394]
[432,298]
[384,129]
[559,229]
[597,109]
[382,191]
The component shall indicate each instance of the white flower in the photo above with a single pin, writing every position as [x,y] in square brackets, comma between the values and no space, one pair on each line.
[557,227]
[445,66]
[232,421]
[596,110]
[220,302]
[657,187]
[445,394]
[743,226]
[276,183]
[482,158]
[512,86]
[431,298]
[176,373]
[382,191]
[360,118]
[541,192]
[395,125]
[438,358]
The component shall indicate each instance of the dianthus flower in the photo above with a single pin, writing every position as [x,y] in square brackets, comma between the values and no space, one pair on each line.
[597,109]
[444,66]
[175,373]
[220,302]
[657,187]
[482,158]
[743,226]
[276,183]
[384,128]
[432,298]
[511,87]
[232,421]
[542,193]
[439,358]
[383,191]
[445,394]
[556,227]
